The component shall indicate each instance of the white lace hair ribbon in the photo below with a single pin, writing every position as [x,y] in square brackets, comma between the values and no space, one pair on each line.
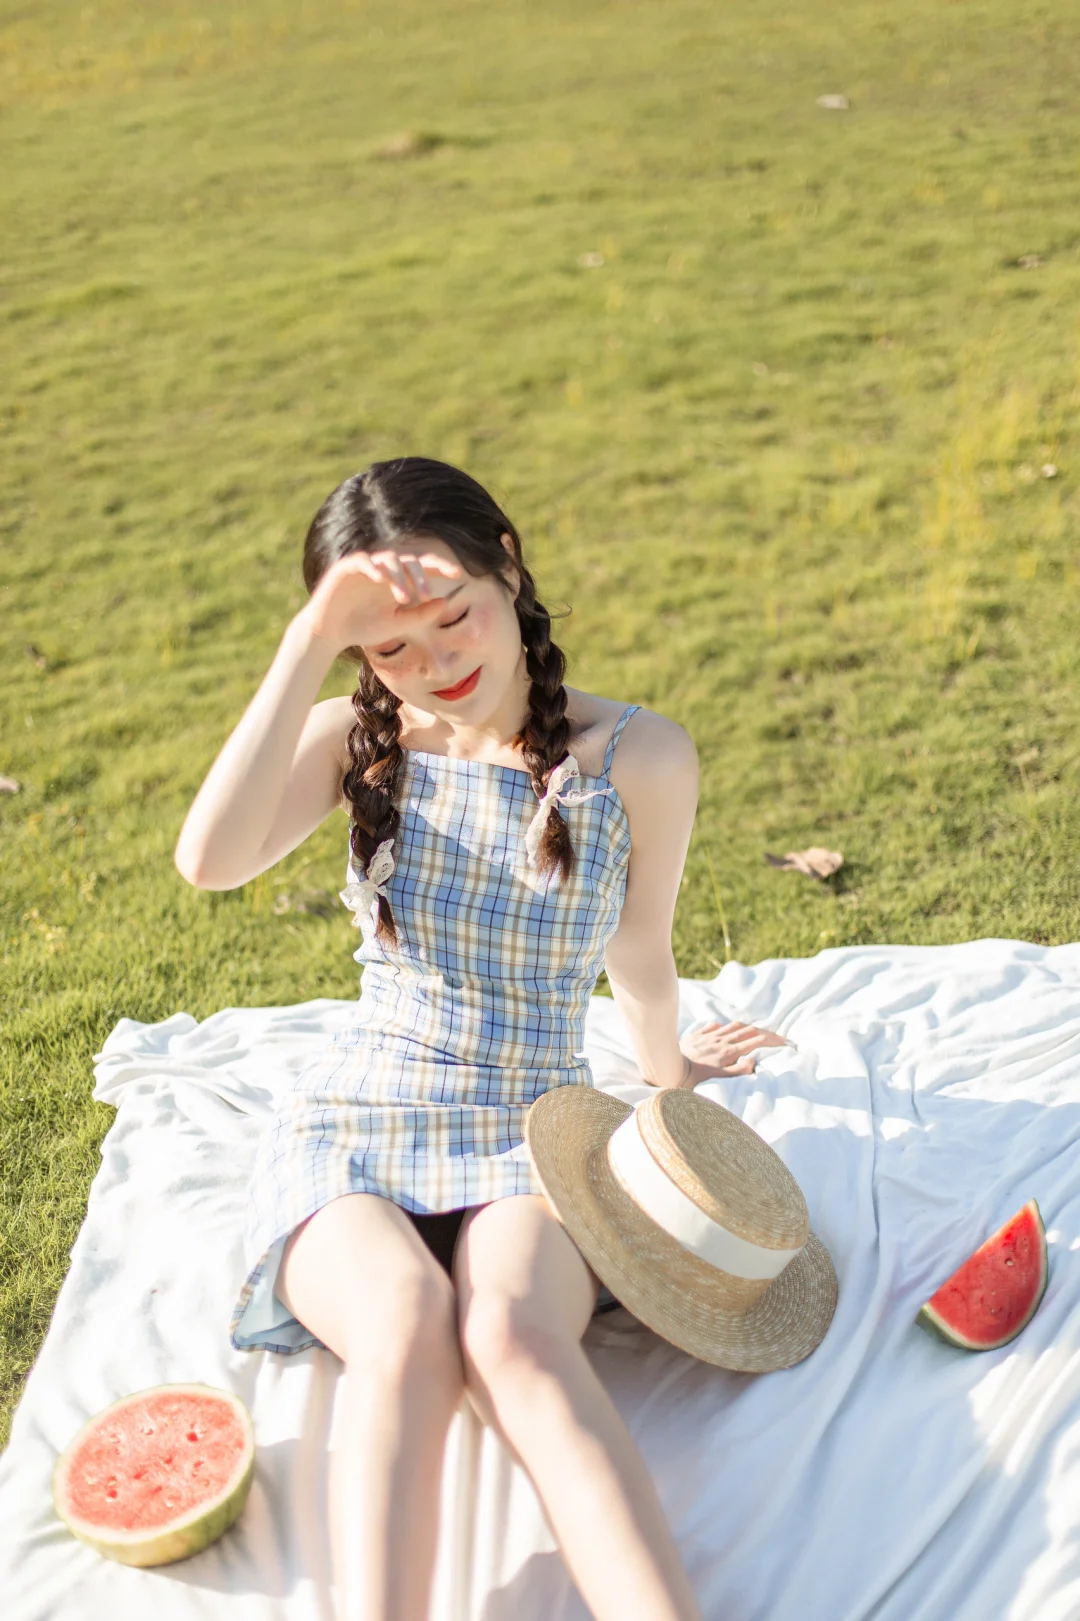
[361,894]
[553,795]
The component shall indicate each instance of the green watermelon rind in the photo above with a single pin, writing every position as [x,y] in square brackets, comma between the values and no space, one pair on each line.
[189,1534]
[935,1324]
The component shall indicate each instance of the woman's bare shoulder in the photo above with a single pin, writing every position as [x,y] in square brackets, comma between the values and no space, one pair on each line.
[648,741]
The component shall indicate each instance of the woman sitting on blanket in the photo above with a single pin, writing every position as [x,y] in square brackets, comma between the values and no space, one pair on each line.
[502,851]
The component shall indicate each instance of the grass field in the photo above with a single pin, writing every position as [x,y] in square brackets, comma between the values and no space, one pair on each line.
[785,400]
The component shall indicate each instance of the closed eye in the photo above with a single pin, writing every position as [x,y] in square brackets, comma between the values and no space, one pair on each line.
[392,652]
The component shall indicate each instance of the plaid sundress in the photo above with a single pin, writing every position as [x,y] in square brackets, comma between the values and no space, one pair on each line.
[477,1010]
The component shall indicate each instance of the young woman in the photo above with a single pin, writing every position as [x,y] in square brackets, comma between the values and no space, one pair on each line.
[509,837]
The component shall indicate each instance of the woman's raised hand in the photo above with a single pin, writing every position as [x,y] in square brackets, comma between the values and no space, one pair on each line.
[366,597]
[716,1049]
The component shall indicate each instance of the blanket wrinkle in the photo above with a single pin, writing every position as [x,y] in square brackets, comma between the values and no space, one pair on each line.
[930,1092]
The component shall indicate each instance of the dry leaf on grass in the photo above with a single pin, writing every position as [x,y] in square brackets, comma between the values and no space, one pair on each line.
[814,863]
[8,785]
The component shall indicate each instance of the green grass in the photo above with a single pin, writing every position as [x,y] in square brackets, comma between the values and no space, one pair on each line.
[780,450]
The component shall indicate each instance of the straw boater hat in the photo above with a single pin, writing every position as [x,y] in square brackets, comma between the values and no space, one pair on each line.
[690,1219]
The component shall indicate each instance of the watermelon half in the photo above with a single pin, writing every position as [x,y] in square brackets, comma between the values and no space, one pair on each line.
[159,1475]
[994,1294]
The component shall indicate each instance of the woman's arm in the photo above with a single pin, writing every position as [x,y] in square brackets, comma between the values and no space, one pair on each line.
[655,771]
[279,774]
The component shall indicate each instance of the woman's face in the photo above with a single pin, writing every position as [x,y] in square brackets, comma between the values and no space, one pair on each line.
[460,665]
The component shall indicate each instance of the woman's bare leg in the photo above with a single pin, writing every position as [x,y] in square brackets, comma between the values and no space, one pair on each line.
[358,1275]
[525,1297]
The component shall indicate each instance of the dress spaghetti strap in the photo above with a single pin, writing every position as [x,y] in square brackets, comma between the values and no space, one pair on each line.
[631,709]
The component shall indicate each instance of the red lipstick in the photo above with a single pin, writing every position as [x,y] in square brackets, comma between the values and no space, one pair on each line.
[463,688]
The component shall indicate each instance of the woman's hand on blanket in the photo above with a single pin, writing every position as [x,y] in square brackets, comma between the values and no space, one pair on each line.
[363,598]
[716,1049]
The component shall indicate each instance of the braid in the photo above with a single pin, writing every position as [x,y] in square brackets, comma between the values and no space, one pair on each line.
[371,780]
[544,739]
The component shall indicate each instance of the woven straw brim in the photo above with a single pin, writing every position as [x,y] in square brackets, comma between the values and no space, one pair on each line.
[668,1288]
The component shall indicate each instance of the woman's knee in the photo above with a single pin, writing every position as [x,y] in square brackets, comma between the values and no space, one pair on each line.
[404,1330]
[506,1348]
[370,1292]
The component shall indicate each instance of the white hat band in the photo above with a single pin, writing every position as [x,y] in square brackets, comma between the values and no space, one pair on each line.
[652,1189]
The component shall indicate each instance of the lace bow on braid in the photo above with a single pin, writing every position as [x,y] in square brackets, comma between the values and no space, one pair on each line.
[361,894]
[553,796]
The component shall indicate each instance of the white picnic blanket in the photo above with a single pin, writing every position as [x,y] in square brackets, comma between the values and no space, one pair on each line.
[930,1093]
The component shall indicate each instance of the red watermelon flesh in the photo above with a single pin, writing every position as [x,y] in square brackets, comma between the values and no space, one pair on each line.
[159,1475]
[989,1299]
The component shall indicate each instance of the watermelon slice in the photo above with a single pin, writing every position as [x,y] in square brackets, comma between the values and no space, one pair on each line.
[159,1475]
[994,1294]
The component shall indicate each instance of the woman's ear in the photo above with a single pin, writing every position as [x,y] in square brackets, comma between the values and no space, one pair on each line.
[512,575]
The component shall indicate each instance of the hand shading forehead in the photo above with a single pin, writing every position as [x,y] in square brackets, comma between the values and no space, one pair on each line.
[433,607]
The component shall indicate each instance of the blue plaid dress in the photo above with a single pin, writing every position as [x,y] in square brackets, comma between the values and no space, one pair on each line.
[477,1010]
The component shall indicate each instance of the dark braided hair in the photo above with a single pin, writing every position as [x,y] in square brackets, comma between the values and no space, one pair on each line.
[401,500]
